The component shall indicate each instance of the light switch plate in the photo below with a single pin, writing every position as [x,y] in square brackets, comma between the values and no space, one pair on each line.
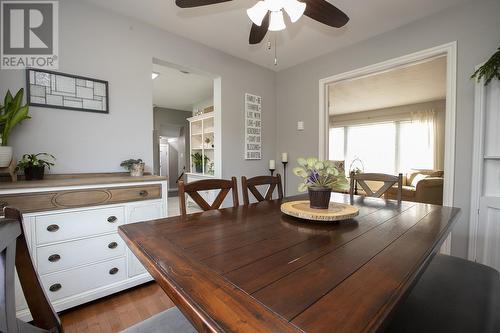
[300,125]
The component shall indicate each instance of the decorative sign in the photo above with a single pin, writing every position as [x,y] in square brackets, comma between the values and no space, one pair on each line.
[253,127]
[65,91]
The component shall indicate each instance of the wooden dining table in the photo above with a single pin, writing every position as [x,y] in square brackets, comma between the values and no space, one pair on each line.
[253,269]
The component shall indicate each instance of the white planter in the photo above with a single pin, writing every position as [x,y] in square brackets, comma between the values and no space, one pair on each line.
[5,156]
[137,170]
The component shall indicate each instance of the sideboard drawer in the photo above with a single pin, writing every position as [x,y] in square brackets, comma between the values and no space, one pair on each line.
[135,193]
[44,201]
[53,258]
[78,224]
[78,280]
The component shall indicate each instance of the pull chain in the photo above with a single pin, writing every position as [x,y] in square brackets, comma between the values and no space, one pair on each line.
[275,51]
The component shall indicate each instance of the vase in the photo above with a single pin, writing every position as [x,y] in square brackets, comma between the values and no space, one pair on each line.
[5,156]
[198,168]
[319,197]
[137,170]
[34,172]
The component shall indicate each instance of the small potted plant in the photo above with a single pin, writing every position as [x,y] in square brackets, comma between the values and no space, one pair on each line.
[135,166]
[320,177]
[34,165]
[11,114]
[198,161]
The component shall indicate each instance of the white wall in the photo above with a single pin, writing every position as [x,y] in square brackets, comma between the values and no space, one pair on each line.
[476,28]
[100,44]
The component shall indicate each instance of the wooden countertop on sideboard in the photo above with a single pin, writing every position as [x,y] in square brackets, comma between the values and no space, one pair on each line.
[79,180]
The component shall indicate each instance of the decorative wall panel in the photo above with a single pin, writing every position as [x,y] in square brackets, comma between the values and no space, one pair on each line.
[65,91]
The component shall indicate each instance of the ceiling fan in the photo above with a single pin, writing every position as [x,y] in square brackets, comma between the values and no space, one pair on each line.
[267,15]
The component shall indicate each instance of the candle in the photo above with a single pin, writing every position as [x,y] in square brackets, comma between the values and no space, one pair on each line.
[272,164]
[284,157]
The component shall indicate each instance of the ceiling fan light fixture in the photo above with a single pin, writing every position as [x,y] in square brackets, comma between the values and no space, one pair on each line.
[277,23]
[257,12]
[295,9]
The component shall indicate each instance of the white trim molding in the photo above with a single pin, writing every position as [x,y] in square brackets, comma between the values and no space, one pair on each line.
[450,51]
[477,165]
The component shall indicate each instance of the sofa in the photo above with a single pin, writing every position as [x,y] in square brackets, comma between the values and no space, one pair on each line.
[421,185]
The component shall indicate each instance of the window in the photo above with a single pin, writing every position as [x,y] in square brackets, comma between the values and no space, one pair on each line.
[389,147]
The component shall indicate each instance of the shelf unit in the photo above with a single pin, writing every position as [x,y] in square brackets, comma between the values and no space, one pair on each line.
[485,190]
[202,141]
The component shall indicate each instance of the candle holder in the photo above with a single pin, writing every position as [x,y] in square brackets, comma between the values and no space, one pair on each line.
[272,171]
[284,177]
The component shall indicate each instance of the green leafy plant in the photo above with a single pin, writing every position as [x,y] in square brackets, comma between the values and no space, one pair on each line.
[317,173]
[489,70]
[35,161]
[127,164]
[11,114]
[198,159]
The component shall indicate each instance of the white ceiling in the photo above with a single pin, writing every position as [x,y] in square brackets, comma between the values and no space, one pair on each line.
[180,91]
[417,83]
[226,26]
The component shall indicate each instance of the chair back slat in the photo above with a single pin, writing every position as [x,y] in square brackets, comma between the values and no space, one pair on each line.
[388,180]
[250,185]
[41,309]
[9,231]
[193,188]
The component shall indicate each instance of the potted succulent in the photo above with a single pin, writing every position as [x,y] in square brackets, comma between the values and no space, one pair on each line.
[198,161]
[135,166]
[34,165]
[11,114]
[320,177]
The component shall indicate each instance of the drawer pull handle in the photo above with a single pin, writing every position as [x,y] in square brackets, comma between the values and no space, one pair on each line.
[143,193]
[55,287]
[54,258]
[113,245]
[113,271]
[112,219]
[52,228]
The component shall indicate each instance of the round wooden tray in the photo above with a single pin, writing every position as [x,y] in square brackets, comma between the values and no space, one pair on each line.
[336,211]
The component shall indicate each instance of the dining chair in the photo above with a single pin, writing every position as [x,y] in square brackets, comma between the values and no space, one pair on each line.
[192,189]
[388,180]
[250,185]
[453,295]
[14,255]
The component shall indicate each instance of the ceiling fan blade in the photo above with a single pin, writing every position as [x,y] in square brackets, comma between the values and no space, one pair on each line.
[197,3]
[257,33]
[326,13]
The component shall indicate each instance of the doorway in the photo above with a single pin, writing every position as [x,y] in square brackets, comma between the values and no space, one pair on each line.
[448,51]
[178,94]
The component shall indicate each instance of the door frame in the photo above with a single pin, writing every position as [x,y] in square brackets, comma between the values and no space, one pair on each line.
[450,51]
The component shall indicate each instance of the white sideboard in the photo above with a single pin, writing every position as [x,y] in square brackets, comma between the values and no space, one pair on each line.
[71,227]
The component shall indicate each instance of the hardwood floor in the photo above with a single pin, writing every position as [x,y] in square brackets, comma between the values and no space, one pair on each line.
[116,312]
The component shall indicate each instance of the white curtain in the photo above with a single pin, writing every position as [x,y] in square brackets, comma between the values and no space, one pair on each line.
[427,122]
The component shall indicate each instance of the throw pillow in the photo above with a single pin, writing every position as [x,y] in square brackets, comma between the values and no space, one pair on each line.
[418,177]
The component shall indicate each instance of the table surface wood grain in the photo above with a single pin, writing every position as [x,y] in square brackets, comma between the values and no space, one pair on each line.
[253,269]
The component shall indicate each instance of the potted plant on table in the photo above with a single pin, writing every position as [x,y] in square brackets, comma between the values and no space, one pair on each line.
[198,161]
[34,165]
[320,177]
[11,114]
[135,166]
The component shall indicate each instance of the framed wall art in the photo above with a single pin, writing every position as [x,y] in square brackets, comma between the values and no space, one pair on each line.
[253,127]
[66,91]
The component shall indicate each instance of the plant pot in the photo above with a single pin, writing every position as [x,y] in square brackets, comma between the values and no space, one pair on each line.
[34,173]
[137,170]
[5,156]
[319,197]
[198,168]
